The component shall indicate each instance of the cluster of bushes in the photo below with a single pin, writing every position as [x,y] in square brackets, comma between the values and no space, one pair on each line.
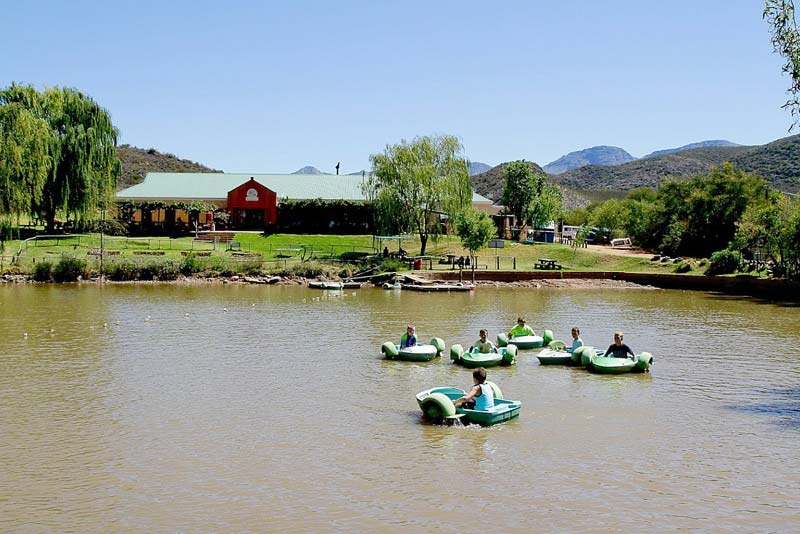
[110,227]
[67,269]
[727,210]
[154,270]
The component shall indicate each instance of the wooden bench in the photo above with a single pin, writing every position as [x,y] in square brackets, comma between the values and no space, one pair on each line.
[547,264]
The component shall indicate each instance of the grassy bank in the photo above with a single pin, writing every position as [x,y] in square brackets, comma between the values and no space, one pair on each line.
[298,253]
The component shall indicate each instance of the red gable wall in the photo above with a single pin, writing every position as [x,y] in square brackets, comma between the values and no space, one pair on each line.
[260,197]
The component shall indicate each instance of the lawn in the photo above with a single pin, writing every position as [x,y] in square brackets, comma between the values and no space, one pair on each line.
[300,247]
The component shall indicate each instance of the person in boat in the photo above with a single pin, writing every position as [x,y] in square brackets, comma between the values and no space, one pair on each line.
[619,349]
[483,345]
[576,339]
[521,329]
[409,339]
[481,396]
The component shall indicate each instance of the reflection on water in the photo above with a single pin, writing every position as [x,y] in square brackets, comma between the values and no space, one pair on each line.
[243,408]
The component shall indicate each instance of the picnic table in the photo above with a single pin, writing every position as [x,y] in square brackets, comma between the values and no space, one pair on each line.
[547,264]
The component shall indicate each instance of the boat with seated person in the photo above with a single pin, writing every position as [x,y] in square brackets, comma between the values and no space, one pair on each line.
[416,353]
[476,358]
[525,342]
[438,405]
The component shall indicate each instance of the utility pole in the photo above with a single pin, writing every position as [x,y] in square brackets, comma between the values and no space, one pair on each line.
[102,224]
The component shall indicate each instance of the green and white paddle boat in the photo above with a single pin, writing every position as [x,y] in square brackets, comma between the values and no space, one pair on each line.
[525,342]
[475,358]
[557,353]
[608,365]
[417,353]
[437,405]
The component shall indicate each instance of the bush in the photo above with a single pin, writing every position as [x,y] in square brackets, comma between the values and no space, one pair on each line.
[122,271]
[683,267]
[43,271]
[391,265]
[191,265]
[724,262]
[69,269]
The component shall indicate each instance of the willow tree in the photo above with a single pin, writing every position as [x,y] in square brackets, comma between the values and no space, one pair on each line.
[413,185]
[786,41]
[80,140]
[24,161]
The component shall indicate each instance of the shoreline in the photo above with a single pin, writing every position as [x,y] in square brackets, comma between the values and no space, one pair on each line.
[769,289]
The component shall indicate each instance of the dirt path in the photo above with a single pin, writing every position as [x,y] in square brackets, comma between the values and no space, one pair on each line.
[621,251]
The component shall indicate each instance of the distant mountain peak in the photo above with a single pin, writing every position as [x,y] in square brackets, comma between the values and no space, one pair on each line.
[308,169]
[701,144]
[596,155]
[476,167]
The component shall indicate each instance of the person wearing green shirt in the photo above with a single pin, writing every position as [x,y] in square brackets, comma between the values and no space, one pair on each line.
[521,329]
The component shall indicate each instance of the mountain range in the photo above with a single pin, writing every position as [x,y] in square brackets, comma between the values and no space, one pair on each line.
[597,155]
[614,155]
[778,162]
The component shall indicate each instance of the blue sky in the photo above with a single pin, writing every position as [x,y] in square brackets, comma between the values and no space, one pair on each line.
[270,87]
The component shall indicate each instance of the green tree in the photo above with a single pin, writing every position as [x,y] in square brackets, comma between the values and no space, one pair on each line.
[82,164]
[475,229]
[547,203]
[519,189]
[786,42]
[24,161]
[413,185]
[529,197]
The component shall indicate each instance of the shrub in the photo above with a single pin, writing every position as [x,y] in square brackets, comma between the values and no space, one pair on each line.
[683,267]
[391,265]
[191,265]
[43,271]
[121,271]
[724,262]
[161,270]
[69,269]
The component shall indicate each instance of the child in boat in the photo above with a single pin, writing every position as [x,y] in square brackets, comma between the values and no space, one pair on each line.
[481,396]
[409,339]
[483,345]
[521,329]
[576,339]
[619,349]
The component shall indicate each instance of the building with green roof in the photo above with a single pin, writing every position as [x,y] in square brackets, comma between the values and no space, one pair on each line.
[249,200]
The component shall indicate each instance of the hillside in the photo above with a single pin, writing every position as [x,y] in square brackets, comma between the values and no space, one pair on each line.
[137,162]
[701,144]
[597,155]
[490,185]
[778,162]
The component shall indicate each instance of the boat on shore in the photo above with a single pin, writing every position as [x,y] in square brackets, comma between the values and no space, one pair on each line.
[438,287]
[325,284]
[437,405]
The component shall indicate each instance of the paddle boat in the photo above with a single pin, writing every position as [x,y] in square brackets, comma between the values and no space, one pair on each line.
[557,353]
[326,285]
[608,365]
[437,404]
[475,358]
[417,353]
[525,342]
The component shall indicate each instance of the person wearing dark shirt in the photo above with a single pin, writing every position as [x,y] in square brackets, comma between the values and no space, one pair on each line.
[619,349]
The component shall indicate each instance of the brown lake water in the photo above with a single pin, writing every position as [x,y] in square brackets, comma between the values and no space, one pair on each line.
[279,414]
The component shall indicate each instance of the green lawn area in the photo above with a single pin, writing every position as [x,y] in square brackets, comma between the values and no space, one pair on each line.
[294,247]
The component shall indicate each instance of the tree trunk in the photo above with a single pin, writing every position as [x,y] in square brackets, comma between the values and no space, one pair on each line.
[423,239]
[474,259]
